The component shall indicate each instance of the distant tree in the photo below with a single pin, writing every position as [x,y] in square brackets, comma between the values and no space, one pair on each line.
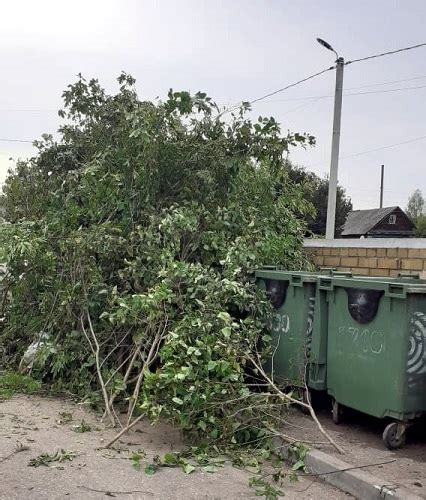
[415,205]
[420,227]
[316,191]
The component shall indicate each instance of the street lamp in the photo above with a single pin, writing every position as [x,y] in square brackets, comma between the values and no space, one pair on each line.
[335,143]
[327,46]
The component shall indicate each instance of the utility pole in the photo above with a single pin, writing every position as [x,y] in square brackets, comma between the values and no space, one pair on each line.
[382,177]
[335,143]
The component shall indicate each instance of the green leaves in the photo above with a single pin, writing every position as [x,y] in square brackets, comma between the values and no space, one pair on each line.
[13,382]
[136,459]
[265,489]
[150,218]
[150,469]
[224,316]
[226,332]
[187,468]
[211,365]
[47,458]
[169,460]
[82,427]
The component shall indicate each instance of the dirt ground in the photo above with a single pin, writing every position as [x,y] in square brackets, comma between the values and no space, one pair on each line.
[39,423]
[361,438]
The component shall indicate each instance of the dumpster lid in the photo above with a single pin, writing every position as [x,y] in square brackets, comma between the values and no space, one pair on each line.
[292,276]
[397,287]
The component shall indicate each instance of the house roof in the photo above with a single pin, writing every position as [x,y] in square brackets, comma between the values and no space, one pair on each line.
[362,221]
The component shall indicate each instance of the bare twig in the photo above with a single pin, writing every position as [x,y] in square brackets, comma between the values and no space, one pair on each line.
[124,430]
[111,492]
[289,399]
[19,447]
[96,353]
[125,378]
[148,361]
[152,354]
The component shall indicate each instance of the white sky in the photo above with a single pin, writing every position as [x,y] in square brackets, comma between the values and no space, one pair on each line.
[233,50]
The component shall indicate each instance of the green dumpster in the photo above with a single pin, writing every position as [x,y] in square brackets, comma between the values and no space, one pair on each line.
[376,349]
[293,296]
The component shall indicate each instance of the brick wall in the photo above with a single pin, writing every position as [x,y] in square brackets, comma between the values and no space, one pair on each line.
[371,257]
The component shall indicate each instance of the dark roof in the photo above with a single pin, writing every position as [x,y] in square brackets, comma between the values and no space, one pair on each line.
[362,221]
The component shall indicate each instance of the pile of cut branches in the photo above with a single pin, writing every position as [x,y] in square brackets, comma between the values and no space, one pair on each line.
[130,255]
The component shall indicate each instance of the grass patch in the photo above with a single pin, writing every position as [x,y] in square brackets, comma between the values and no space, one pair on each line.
[12,383]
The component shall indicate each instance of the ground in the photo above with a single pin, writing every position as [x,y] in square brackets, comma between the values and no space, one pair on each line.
[37,425]
[361,438]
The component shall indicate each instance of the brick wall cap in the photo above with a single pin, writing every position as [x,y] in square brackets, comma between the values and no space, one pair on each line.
[366,243]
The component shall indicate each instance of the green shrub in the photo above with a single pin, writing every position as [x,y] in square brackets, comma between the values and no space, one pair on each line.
[13,382]
[134,240]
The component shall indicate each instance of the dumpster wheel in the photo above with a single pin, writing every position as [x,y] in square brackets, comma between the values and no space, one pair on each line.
[394,435]
[336,411]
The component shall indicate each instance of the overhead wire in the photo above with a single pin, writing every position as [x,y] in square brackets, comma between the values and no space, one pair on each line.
[421,138]
[310,77]
[388,82]
[325,96]
[15,140]
[375,56]
[270,94]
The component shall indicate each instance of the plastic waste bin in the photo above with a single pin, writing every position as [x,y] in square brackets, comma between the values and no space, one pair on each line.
[376,349]
[293,296]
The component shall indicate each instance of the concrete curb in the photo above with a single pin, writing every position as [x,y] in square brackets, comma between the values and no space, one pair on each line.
[357,482]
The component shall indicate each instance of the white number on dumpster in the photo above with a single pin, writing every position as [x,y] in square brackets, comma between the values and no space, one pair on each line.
[281,323]
[368,341]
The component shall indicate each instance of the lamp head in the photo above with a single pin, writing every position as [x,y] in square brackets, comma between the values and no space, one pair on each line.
[327,46]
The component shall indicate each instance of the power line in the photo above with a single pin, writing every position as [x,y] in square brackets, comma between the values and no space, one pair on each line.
[388,82]
[373,150]
[15,140]
[386,90]
[383,147]
[270,94]
[325,96]
[386,53]
[298,107]
[315,98]
[292,85]
[28,110]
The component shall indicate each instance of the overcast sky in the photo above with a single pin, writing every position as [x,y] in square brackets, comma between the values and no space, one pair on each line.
[233,50]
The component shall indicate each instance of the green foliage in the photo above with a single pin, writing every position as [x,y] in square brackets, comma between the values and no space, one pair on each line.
[265,489]
[139,231]
[420,231]
[297,455]
[13,382]
[137,457]
[151,468]
[48,458]
[415,206]
[82,427]
[316,191]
